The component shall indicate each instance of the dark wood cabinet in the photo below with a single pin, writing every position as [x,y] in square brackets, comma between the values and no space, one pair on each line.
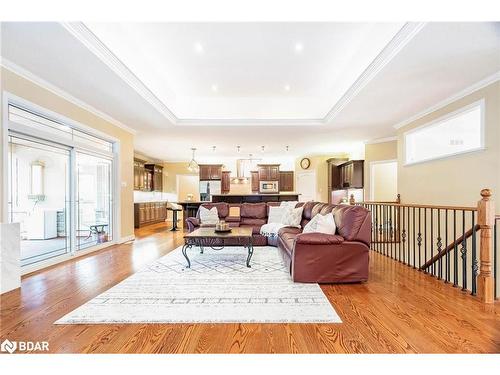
[149,213]
[286,180]
[155,178]
[352,174]
[210,172]
[147,177]
[344,174]
[269,172]
[226,182]
[255,181]
[139,175]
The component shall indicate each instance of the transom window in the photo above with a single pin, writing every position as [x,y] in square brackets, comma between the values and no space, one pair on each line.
[453,134]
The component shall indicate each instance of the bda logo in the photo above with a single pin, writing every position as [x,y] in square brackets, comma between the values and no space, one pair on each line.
[8,346]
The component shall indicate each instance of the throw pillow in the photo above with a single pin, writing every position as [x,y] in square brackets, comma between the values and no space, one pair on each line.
[292,218]
[312,225]
[209,217]
[275,214]
[326,224]
[321,224]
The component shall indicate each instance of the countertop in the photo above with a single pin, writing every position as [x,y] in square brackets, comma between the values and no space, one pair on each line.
[153,201]
[285,193]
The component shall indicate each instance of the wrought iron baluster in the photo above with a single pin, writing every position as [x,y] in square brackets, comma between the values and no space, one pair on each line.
[414,240]
[403,235]
[447,259]
[455,250]
[439,244]
[425,237]
[419,239]
[391,230]
[474,265]
[380,233]
[463,252]
[433,267]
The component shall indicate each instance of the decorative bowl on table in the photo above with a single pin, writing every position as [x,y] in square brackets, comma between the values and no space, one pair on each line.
[222,226]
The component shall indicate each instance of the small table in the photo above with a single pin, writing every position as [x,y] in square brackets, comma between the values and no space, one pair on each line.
[97,229]
[216,240]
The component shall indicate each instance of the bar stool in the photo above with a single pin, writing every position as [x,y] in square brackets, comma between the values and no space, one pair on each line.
[174,217]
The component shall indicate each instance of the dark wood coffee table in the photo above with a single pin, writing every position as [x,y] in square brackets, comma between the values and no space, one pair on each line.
[208,237]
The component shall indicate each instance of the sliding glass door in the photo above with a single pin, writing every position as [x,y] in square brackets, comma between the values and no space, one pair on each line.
[39,197]
[94,200]
[60,185]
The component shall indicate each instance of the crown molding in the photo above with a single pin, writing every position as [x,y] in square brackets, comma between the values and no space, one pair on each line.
[381,140]
[83,34]
[26,74]
[457,96]
[98,48]
[395,45]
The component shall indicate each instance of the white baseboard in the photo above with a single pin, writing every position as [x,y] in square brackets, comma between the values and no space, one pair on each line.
[127,238]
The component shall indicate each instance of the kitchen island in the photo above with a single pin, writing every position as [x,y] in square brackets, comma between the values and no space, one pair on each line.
[255,197]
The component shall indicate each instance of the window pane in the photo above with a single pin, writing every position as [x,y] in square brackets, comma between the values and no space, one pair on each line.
[457,134]
[93,200]
[42,212]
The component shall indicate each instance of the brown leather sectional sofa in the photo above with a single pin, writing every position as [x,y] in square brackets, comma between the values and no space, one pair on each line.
[311,257]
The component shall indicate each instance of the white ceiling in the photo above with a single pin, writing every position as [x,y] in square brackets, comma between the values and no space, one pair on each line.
[156,80]
[247,70]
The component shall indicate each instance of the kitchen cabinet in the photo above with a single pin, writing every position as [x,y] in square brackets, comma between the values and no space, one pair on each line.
[286,180]
[254,181]
[155,178]
[269,172]
[226,182]
[148,213]
[139,175]
[344,174]
[352,174]
[210,172]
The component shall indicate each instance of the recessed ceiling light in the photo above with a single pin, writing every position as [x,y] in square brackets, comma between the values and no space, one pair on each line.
[299,47]
[287,87]
[215,88]
[198,47]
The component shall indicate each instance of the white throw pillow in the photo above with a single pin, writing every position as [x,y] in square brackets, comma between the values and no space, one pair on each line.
[288,204]
[209,216]
[321,224]
[275,214]
[312,225]
[292,218]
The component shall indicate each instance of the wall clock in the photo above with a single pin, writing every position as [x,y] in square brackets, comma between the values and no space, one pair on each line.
[305,163]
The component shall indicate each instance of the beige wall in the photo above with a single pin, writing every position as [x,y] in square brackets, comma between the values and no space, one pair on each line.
[455,180]
[170,172]
[29,91]
[384,176]
[318,165]
[378,152]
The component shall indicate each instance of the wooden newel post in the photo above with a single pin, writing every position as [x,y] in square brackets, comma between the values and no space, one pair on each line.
[486,222]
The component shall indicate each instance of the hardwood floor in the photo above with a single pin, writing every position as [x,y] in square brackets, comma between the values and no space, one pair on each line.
[399,310]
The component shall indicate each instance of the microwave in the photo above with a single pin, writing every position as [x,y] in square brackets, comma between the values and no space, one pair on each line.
[269,187]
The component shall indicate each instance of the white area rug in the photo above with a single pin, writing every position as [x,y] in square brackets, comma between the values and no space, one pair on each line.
[219,288]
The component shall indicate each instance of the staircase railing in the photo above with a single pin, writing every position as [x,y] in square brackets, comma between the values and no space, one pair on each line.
[441,241]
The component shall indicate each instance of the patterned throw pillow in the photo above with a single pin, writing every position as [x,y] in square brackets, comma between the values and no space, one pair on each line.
[275,214]
[321,224]
[209,217]
[292,217]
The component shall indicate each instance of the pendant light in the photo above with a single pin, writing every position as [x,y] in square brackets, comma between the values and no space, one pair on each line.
[193,165]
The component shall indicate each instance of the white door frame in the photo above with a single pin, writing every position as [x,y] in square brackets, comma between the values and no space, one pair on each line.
[372,164]
[308,173]
[6,125]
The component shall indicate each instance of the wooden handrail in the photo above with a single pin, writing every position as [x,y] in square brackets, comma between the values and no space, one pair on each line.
[450,247]
[462,208]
